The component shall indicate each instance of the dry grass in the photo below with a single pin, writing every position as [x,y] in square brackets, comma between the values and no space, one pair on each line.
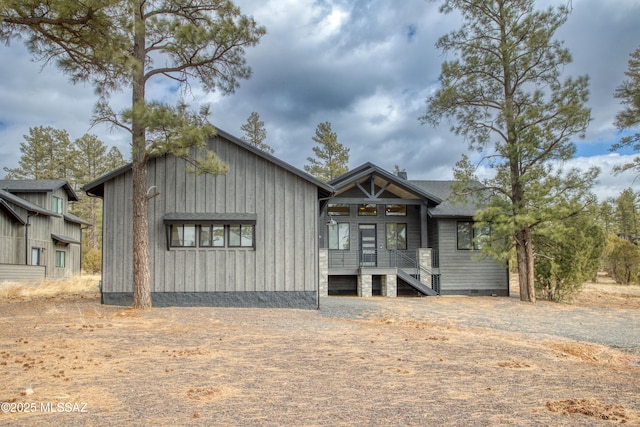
[215,366]
[77,285]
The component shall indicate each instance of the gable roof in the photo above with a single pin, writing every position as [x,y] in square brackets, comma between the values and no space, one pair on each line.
[400,186]
[96,187]
[37,186]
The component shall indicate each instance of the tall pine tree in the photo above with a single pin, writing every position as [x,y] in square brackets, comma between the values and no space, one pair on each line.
[331,157]
[503,92]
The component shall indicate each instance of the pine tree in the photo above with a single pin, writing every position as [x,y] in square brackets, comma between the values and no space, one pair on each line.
[126,44]
[46,153]
[255,133]
[331,156]
[629,118]
[504,95]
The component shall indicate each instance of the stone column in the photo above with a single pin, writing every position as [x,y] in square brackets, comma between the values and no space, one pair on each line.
[390,285]
[365,285]
[424,260]
[323,267]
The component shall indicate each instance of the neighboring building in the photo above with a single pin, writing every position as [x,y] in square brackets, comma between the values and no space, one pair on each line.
[38,237]
[386,235]
[246,238]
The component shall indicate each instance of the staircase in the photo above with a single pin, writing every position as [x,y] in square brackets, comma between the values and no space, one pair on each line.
[416,283]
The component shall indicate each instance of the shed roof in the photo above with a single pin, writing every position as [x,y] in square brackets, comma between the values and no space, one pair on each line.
[24,204]
[96,187]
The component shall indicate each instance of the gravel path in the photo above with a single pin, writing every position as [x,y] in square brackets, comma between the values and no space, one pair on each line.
[617,328]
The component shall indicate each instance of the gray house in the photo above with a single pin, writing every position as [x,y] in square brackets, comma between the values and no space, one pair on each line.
[38,237]
[385,235]
[246,238]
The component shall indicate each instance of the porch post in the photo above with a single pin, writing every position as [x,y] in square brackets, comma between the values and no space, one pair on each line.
[365,285]
[390,285]
[424,237]
[323,267]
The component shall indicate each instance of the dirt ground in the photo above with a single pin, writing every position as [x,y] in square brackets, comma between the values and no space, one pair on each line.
[68,360]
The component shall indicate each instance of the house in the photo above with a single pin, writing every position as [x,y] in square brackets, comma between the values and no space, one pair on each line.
[38,236]
[386,235]
[246,238]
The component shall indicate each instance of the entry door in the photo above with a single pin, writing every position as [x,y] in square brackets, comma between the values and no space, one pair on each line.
[368,245]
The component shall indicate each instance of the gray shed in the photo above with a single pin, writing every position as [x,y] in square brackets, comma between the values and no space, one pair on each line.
[246,238]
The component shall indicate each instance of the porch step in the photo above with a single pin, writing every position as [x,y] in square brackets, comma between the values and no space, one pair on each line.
[415,283]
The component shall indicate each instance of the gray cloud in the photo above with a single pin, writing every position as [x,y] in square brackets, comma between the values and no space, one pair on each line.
[365,66]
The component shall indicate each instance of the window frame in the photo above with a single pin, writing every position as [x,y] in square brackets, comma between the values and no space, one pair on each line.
[183,239]
[247,241]
[362,209]
[401,212]
[395,235]
[57,205]
[339,212]
[61,257]
[241,243]
[339,226]
[474,233]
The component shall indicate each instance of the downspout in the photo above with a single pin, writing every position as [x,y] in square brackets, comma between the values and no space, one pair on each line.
[321,214]
[26,238]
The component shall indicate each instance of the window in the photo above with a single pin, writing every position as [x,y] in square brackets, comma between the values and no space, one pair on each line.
[57,203]
[183,236]
[472,236]
[35,256]
[241,235]
[212,235]
[60,258]
[395,210]
[368,209]
[339,236]
[338,209]
[397,236]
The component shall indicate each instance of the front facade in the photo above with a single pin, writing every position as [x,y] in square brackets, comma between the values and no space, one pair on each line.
[246,238]
[382,234]
[38,236]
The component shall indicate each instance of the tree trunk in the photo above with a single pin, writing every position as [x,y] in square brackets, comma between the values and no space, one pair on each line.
[141,270]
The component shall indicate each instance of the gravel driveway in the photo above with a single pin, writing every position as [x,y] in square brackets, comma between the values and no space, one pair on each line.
[618,328]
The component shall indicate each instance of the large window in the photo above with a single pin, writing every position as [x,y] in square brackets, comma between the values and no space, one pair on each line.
[369,209]
[212,235]
[60,259]
[57,203]
[339,236]
[241,235]
[338,209]
[472,236]
[397,236]
[183,235]
[395,210]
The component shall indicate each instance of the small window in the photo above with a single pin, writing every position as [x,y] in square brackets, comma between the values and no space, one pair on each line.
[339,236]
[472,236]
[212,236]
[368,209]
[35,256]
[338,209]
[183,236]
[397,236]
[395,210]
[241,235]
[57,203]
[60,259]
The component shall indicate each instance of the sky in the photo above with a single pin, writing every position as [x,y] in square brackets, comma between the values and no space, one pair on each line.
[365,66]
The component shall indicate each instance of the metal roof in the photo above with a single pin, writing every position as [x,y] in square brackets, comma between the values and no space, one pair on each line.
[19,201]
[209,218]
[64,239]
[447,208]
[96,187]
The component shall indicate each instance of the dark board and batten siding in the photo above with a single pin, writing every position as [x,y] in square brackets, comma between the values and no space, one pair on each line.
[280,270]
[461,271]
